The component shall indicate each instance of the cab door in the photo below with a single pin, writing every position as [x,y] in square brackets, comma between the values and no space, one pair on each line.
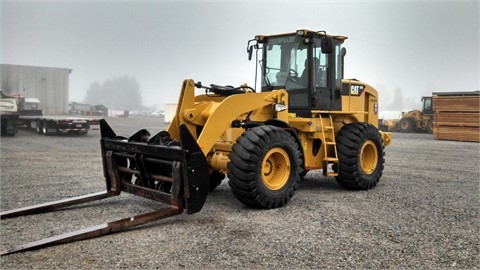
[326,78]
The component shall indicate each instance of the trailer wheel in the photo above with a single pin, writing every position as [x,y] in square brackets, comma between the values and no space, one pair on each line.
[264,167]
[361,155]
[406,124]
[38,126]
[45,126]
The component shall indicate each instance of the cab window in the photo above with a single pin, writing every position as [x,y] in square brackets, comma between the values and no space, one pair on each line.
[285,59]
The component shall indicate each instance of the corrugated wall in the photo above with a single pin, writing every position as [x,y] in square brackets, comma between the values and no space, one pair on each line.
[48,84]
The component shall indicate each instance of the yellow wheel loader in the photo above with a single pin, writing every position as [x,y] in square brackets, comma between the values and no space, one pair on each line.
[418,120]
[303,117]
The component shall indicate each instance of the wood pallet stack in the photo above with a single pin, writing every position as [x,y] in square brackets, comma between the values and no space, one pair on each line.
[457,116]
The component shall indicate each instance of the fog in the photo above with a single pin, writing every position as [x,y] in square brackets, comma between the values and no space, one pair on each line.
[405,49]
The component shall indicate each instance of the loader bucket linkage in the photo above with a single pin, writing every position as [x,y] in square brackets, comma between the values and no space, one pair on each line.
[158,168]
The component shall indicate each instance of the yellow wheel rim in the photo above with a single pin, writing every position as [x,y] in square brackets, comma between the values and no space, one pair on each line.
[405,124]
[275,168]
[368,157]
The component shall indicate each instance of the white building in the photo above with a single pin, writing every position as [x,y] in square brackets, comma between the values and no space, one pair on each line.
[47,84]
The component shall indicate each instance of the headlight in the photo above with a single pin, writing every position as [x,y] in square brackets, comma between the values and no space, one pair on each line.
[300,32]
[279,107]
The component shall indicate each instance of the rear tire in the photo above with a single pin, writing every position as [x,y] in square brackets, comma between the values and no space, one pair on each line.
[429,126]
[264,167]
[361,155]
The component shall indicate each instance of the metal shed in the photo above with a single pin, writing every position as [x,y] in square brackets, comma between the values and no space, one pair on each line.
[48,84]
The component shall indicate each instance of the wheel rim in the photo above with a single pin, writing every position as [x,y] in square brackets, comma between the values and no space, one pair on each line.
[368,157]
[405,125]
[275,168]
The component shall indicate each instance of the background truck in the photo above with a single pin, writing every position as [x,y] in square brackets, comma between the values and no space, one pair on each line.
[18,111]
[9,116]
[56,124]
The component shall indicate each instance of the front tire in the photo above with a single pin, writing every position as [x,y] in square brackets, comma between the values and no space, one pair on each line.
[406,124]
[361,155]
[264,167]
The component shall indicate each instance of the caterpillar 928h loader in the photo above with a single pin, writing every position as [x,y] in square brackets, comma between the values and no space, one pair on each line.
[306,117]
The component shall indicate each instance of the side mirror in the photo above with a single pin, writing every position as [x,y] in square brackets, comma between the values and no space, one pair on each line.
[250,51]
[327,44]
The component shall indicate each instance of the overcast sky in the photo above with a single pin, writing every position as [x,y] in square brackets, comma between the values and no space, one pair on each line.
[412,48]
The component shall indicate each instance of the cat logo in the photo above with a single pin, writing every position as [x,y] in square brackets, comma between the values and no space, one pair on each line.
[356,90]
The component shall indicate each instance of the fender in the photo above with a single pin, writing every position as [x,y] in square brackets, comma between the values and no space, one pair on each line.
[282,124]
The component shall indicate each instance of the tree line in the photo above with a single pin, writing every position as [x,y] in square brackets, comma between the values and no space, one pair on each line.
[119,93]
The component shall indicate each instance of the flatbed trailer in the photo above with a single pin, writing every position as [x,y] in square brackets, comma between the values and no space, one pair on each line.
[58,124]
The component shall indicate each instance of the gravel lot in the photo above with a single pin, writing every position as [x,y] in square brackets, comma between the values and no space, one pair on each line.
[423,214]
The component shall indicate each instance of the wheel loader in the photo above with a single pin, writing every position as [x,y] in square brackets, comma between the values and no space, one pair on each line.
[304,116]
[418,120]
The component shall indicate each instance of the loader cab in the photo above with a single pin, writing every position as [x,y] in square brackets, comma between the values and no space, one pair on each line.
[427,105]
[309,65]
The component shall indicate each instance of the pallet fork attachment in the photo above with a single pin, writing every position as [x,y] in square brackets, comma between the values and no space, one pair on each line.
[172,172]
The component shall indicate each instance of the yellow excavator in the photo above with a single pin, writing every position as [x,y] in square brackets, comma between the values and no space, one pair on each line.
[304,116]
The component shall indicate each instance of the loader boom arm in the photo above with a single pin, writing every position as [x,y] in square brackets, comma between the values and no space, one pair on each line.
[216,117]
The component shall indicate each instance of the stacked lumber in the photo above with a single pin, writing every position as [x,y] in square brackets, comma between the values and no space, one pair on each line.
[457,116]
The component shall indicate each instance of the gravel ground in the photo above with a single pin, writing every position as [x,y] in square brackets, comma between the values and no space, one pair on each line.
[424,213]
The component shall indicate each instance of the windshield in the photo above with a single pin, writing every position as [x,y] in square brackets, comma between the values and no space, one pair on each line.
[285,60]
[8,105]
[427,103]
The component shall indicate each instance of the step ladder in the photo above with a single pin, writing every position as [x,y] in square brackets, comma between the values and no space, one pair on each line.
[330,146]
